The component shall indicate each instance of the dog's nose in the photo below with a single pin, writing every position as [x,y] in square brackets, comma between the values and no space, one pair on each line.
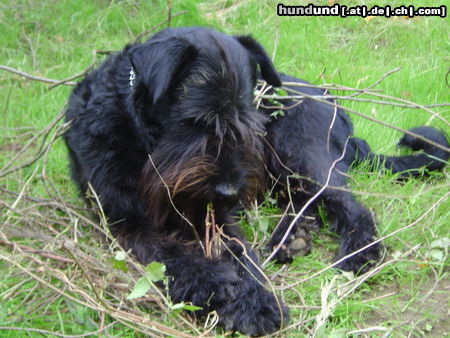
[226,191]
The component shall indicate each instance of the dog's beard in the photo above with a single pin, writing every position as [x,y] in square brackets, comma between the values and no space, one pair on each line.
[185,189]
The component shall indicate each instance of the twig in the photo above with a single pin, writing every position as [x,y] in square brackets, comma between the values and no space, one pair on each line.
[45,132]
[154,28]
[42,253]
[51,333]
[95,52]
[169,12]
[128,317]
[407,104]
[369,329]
[42,281]
[395,70]
[323,86]
[32,77]
[389,294]
[100,299]
[415,105]
[367,117]
[368,90]
[330,128]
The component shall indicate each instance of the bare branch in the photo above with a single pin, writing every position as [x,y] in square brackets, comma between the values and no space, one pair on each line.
[32,77]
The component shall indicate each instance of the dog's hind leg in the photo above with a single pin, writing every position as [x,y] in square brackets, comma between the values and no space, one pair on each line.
[353,222]
[356,228]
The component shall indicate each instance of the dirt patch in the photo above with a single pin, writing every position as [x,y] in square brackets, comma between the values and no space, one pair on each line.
[413,310]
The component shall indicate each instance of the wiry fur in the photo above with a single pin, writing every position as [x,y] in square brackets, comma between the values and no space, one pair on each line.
[301,144]
[183,134]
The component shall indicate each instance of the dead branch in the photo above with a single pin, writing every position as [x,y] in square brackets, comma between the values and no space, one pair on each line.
[32,77]
[42,253]
[42,148]
[95,52]
[154,28]
[367,117]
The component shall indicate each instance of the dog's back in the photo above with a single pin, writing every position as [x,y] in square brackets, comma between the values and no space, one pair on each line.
[310,149]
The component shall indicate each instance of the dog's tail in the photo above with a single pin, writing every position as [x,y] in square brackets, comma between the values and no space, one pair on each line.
[431,158]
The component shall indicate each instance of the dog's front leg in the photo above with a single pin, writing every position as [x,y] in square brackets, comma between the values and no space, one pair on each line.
[230,284]
[257,310]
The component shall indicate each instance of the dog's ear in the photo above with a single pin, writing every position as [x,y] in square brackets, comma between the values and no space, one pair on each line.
[158,64]
[258,53]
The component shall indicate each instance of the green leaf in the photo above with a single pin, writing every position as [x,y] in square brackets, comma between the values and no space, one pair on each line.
[189,307]
[155,271]
[277,113]
[177,308]
[140,289]
[120,265]
[280,92]
[263,223]
[436,255]
[271,200]
[118,262]
[120,256]
[442,243]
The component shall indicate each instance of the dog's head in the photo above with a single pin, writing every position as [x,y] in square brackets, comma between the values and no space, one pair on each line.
[196,85]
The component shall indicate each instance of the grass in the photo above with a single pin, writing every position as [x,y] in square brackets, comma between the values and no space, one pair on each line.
[55,39]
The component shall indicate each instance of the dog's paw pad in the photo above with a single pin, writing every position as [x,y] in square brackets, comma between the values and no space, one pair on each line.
[299,243]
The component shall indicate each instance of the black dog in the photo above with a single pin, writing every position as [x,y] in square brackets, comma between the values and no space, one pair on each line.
[306,142]
[162,131]
[167,128]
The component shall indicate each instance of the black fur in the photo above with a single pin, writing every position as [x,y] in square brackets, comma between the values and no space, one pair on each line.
[431,158]
[184,132]
[166,127]
[300,143]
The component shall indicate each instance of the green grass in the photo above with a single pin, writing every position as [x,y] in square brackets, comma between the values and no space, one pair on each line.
[55,39]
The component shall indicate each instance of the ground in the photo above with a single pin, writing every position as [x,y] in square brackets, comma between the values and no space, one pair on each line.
[63,275]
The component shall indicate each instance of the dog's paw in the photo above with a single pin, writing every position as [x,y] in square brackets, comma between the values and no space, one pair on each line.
[256,312]
[299,243]
[361,262]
